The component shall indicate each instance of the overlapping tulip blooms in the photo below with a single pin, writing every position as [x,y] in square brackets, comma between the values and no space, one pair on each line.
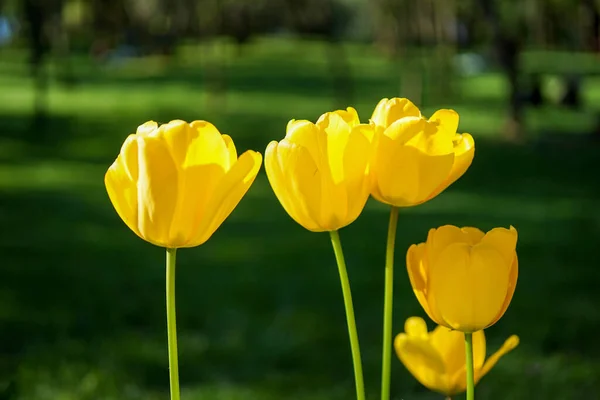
[437,358]
[416,158]
[464,278]
[174,185]
[319,171]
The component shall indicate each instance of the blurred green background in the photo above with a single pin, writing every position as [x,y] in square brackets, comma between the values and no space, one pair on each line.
[260,312]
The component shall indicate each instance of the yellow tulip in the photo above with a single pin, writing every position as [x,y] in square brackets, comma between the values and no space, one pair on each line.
[175,184]
[463,278]
[319,172]
[437,358]
[415,158]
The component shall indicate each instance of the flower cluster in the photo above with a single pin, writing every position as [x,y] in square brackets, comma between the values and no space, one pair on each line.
[175,184]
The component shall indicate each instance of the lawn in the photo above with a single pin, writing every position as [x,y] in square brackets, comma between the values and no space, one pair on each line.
[260,311]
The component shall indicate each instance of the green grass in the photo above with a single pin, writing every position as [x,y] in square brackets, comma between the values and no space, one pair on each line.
[260,312]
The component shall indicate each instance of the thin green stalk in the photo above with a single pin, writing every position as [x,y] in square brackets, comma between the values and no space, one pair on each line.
[388,302]
[171,325]
[470,375]
[339,257]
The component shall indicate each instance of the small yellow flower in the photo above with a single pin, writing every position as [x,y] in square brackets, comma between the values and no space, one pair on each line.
[175,184]
[415,158]
[463,278]
[319,172]
[437,359]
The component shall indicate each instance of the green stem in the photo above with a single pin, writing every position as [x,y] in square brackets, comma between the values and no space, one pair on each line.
[470,375]
[388,302]
[171,325]
[339,257]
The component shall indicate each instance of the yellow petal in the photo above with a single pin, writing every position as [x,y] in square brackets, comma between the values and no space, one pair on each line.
[177,136]
[504,241]
[423,362]
[304,184]
[207,146]
[281,184]
[439,239]
[512,285]
[464,151]
[332,166]
[432,140]
[388,111]
[404,129]
[451,347]
[157,191]
[417,273]
[447,120]
[337,136]
[146,128]
[203,158]
[416,327]
[474,234]
[357,155]
[121,183]
[226,196]
[323,145]
[508,346]
[381,159]
[306,134]
[409,175]
[469,285]
[349,115]
[230,149]
[378,116]
[412,175]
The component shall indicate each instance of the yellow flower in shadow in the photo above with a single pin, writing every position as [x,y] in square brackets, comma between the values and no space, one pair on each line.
[437,358]
[464,279]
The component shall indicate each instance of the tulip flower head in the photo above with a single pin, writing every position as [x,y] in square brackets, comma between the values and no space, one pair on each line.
[437,358]
[416,158]
[319,172]
[464,278]
[174,185]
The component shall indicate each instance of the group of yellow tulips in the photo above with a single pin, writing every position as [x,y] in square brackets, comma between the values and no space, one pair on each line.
[175,184]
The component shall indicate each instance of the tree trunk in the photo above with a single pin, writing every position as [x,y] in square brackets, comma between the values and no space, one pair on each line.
[36,17]
[507,48]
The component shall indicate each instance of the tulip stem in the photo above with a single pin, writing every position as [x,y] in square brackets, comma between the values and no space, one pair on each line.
[171,325]
[470,375]
[388,302]
[352,332]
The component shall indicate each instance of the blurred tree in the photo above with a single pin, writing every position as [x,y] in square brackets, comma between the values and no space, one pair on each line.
[508,36]
[406,30]
[325,19]
[592,10]
[38,18]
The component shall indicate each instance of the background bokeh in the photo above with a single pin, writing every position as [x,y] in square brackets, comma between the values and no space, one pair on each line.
[260,312]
